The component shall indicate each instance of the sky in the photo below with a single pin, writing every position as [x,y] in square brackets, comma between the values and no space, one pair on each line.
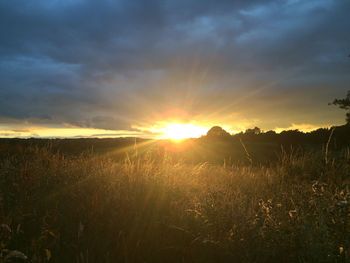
[71,68]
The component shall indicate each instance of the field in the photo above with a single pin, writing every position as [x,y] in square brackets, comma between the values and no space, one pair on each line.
[89,207]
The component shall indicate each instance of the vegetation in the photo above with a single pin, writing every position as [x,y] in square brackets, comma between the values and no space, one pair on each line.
[88,207]
[345,105]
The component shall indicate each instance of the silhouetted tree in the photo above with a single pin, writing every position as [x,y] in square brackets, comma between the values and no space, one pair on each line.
[270,133]
[344,104]
[217,132]
[255,130]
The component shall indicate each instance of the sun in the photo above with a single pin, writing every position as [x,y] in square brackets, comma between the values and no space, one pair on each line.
[181,131]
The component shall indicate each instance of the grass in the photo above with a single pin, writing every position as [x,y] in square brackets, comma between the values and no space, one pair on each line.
[90,208]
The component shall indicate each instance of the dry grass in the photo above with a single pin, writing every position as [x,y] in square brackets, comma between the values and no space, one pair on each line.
[94,209]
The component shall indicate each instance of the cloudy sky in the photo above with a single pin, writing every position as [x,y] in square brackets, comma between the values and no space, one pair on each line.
[103,68]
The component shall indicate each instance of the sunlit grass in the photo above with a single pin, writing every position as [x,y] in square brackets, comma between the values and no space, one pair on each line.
[145,209]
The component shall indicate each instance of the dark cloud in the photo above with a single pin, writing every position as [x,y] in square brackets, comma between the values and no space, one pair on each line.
[113,64]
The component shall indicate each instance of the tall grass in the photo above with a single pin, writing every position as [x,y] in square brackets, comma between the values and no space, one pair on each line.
[93,209]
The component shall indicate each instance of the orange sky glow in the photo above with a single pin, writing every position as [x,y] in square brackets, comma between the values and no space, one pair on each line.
[171,129]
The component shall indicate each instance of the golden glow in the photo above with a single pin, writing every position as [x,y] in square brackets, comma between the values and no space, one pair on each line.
[60,132]
[177,130]
[180,131]
[173,129]
[304,127]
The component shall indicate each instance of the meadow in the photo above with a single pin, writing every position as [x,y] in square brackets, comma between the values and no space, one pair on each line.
[88,207]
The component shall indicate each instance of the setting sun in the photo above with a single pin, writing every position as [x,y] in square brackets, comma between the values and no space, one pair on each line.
[180,131]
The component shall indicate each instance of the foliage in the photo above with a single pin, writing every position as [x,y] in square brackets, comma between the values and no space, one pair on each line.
[344,104]
[255,130]
[217,132]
